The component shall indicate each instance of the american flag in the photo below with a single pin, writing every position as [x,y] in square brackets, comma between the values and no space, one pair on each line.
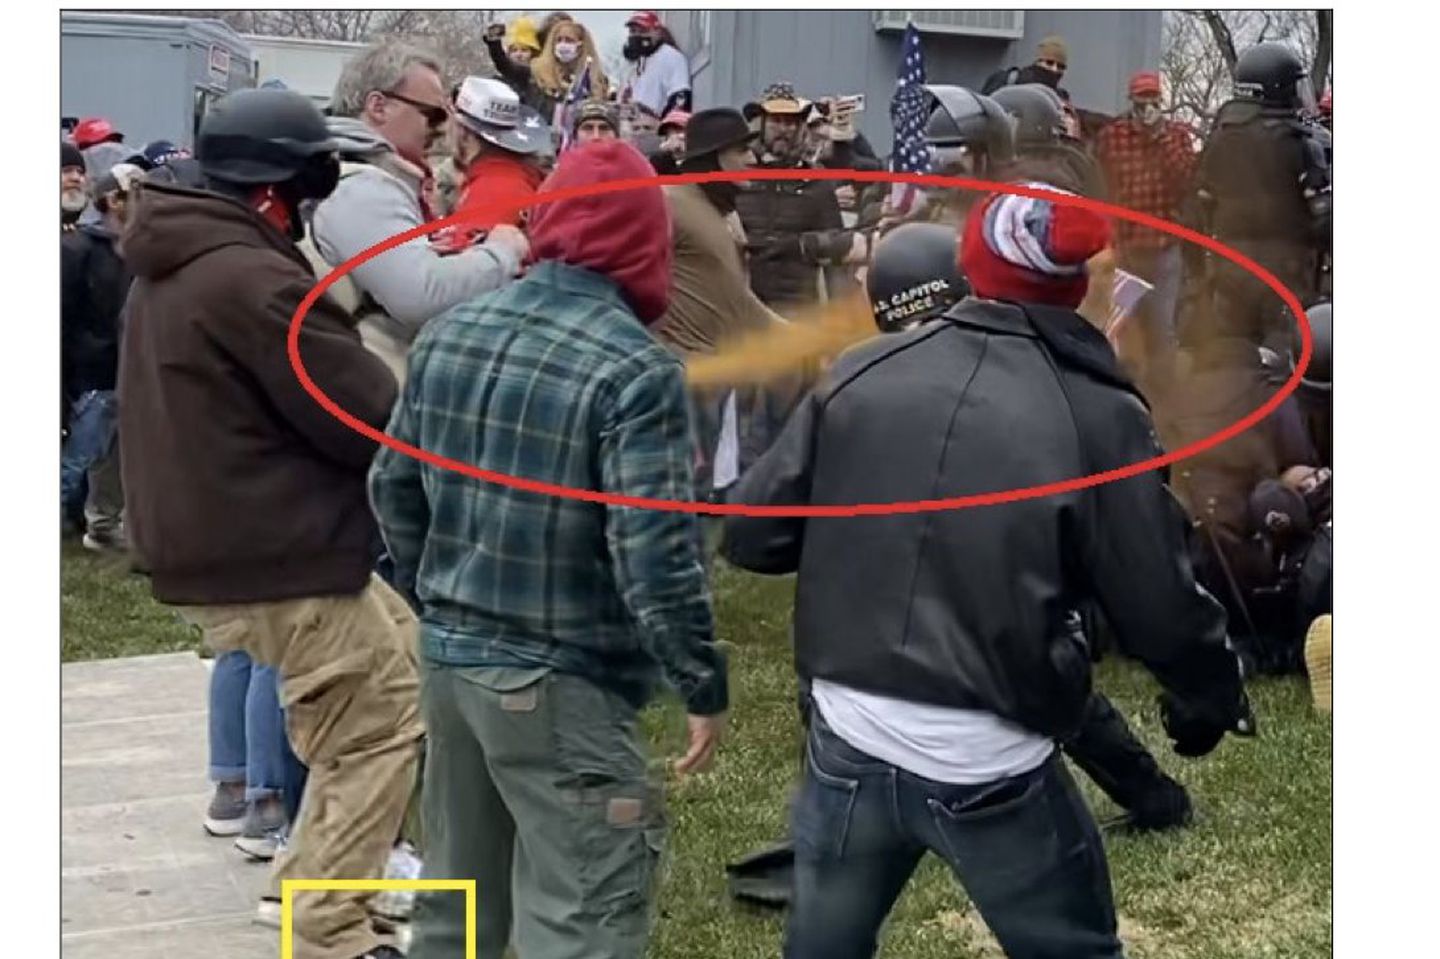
[578,93]
[909,109]
[1126,293]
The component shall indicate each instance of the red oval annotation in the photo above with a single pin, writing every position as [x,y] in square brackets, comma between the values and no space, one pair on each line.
[854,509]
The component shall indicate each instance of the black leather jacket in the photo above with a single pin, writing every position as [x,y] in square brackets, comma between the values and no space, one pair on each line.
[972,608]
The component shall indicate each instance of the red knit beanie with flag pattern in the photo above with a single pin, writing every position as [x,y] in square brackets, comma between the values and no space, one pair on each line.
[1025,250]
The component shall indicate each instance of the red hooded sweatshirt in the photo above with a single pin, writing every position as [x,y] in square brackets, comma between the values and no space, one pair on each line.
[623,235]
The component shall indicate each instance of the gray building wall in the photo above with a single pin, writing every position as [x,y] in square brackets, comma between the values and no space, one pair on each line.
[144,74]
[736,53]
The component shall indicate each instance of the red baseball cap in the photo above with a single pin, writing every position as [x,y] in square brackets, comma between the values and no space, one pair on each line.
[93,130]
[645,20]
[1145,84]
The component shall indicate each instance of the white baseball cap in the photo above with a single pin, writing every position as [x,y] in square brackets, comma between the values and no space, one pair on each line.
[492,111]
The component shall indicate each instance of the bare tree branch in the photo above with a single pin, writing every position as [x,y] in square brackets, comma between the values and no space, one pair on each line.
[1200,48]
[1224,39]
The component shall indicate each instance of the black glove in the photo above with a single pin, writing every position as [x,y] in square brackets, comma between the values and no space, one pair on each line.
[1195,734]
[785,246]
[825,247]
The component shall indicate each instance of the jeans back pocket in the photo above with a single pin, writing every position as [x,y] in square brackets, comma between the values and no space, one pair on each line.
[820,817]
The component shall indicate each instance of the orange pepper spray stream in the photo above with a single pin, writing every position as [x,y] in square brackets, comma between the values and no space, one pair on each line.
[817,335]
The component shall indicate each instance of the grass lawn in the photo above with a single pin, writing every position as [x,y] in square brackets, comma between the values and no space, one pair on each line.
[1251,878]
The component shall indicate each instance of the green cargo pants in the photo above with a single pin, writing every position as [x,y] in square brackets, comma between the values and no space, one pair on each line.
[537,786]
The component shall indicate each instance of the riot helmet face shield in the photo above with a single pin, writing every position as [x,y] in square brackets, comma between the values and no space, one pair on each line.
[955,160]
[963,118]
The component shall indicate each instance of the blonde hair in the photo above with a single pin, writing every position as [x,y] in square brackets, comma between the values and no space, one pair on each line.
[548,71]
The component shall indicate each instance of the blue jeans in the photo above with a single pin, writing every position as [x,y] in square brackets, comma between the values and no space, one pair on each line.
[1025,849]
[90,445]
[247,727]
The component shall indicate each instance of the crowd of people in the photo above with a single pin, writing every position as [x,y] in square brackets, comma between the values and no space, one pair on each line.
[413,663]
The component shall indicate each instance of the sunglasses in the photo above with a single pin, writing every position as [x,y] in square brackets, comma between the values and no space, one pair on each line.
[435,116]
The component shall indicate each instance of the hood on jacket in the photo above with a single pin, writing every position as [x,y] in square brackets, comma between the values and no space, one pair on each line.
[355,139]
[624,235]
[172,225]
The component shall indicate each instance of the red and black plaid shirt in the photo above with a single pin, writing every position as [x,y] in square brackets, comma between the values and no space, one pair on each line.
[1148,173]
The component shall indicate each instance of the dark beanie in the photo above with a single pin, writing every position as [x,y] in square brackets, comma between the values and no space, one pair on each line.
[70,155]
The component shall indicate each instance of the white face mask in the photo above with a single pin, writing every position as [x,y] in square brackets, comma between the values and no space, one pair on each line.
[1148,113]
[566,52]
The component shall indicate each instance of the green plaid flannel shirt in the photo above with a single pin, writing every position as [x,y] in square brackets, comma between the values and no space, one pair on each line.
[551,378]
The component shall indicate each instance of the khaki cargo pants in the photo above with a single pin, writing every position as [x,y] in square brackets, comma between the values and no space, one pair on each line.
[348,676]
[537,786]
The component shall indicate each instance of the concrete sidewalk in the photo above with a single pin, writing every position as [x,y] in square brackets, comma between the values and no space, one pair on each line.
[139,876]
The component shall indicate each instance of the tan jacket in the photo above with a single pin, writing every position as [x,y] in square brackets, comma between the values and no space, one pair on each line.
[711,303]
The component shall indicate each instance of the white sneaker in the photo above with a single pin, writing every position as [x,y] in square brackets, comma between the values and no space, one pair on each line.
[264,832]
[396,905]
[268,914]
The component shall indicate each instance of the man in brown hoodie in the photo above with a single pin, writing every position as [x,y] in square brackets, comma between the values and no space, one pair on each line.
[247,499]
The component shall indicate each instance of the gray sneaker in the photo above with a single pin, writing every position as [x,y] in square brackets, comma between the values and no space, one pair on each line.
[264,830]
[226,814]
[99,541]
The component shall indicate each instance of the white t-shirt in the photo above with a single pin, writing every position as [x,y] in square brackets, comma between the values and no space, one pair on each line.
[959,746]
[727,450]
[662,75]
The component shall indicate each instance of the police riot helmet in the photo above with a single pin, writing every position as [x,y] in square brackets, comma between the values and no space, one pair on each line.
[1039,114]
[258,137]
[1272,74]
[1317,375]
[963,120]
[914,276]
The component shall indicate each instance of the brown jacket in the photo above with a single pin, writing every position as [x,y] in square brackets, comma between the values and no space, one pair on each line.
[710,300]
[239,487]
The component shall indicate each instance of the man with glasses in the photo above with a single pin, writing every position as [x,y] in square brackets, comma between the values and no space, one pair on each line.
[391,100]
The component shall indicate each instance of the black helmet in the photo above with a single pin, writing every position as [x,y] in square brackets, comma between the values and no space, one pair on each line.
[1317,374]
[962,118]
[262,136]
[914,276]
[1039,114]
[1272,74]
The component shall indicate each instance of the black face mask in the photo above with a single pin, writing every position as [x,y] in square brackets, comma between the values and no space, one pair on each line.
[637,47]
[316,180]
